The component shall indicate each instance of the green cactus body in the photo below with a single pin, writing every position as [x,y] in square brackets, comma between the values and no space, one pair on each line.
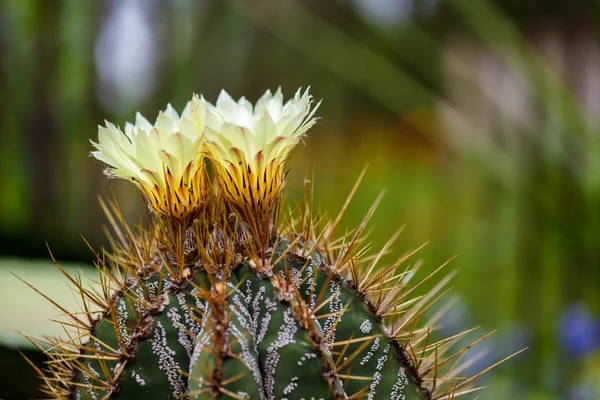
[298,332]
[219,300]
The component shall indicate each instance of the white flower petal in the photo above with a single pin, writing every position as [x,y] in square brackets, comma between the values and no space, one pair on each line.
[227,106]
[261,104]
[275,105]
[172,114]
[245,115]
[142,123]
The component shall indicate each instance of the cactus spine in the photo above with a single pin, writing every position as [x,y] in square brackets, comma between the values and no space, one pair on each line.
[221,298]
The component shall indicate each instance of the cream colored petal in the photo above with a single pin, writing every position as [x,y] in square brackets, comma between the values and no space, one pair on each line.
[261,104]
[142,123]
[165,123]
[264,131]
[245,115]
[227,107]
[275,105]
[172,114]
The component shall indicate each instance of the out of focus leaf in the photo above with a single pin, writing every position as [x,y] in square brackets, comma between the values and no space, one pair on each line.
[24,310]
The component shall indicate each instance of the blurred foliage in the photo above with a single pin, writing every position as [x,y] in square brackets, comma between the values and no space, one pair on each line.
[23,312]
[479,118]
[49,281]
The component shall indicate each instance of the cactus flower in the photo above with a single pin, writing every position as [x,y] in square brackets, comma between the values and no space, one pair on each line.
[249,144]
[164,160]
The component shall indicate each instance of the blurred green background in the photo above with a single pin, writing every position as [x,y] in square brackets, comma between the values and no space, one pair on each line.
[479,117]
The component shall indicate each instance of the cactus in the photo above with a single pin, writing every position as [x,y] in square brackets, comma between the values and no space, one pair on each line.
[220,297]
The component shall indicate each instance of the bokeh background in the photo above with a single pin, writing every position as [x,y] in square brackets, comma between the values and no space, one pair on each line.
[479,118]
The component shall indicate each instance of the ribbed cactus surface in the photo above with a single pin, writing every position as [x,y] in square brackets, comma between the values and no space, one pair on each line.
[295,330]
[220,297]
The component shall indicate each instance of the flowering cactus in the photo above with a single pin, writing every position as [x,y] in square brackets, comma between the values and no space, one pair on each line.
[220,299]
